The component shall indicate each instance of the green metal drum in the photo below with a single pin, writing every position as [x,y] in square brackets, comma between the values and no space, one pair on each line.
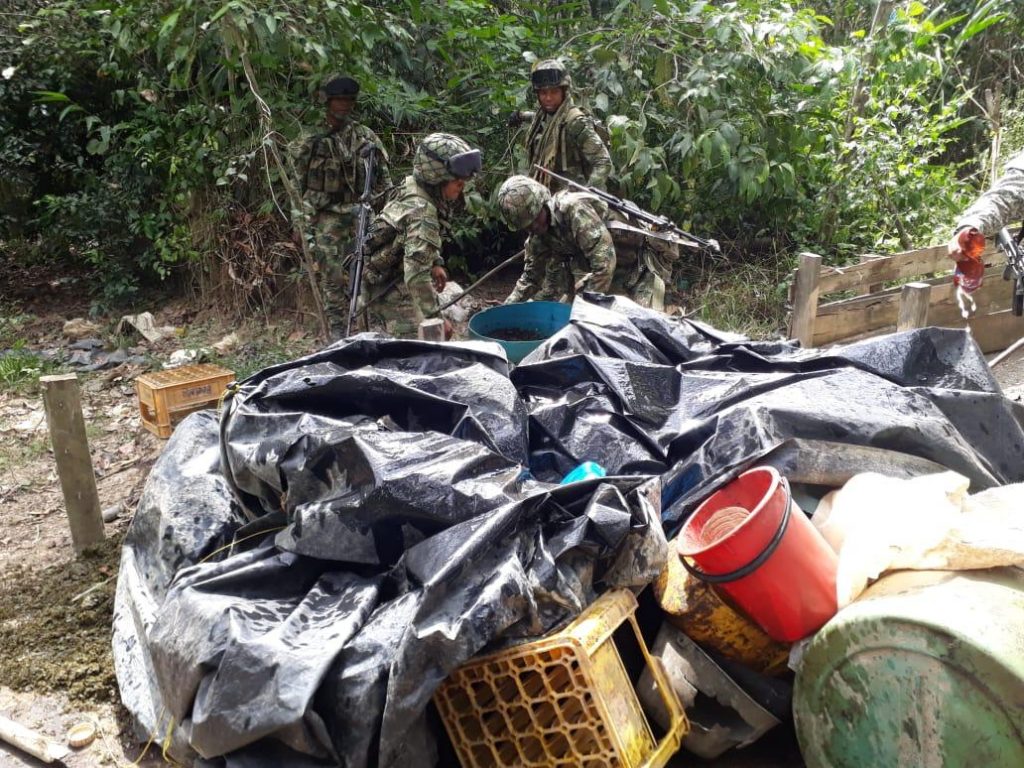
[925,670]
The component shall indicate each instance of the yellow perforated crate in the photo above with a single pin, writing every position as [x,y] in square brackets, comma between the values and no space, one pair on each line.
[564,700]
[165,397]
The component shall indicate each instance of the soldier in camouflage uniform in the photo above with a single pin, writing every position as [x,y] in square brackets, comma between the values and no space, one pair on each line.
[1001,206]
[562,137]
[403,250]
[331,178]
[571,248]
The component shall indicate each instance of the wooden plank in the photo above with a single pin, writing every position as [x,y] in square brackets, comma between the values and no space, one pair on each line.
[823,462]
[432,330]
[865,258]
[997,331]
[900,266]
[841,320]
[805,299]
[913,306]
[63,406]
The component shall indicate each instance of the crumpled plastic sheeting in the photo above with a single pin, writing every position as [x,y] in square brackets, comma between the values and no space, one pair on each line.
[877,524]
[636,391]
[185,515]
[389,534]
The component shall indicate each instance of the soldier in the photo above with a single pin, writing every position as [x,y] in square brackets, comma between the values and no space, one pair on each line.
[999,207]
[562,137]
[331,178]
[571,248]
[403,247]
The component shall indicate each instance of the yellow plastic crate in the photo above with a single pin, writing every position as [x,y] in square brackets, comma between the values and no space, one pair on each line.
[564,700]
[166,397]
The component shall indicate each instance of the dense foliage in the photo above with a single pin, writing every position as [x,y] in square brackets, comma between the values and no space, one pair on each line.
[130,136]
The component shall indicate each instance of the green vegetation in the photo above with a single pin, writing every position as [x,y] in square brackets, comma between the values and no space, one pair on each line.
[20,370]
[131,140]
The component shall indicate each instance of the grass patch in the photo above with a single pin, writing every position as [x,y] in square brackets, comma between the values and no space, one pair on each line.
[11,323]
[20,371]
[747,298]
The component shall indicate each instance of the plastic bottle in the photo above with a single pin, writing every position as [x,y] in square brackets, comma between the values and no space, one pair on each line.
[970,270]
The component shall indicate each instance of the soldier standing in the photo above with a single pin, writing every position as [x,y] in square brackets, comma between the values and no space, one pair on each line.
[403,247]
[561,136]
[331,177]
[571,248]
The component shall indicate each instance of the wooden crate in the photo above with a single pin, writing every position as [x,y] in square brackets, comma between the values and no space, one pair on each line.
[166,397]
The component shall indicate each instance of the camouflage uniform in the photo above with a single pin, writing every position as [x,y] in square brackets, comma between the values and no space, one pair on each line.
[1002,205]
[565,142]
[331,177]
[579,248]
[404,242]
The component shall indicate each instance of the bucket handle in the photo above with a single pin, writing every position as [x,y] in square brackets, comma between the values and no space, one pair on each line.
[757,562]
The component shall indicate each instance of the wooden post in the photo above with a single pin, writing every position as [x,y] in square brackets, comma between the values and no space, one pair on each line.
[805,299]
[74,465]
[914,298]
[432,330]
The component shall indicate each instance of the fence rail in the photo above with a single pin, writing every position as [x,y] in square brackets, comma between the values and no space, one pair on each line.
[930,299]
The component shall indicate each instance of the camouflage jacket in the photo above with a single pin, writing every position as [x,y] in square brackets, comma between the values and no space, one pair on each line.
[1001,206]
[567,144]
[576,240]
[330,172]
[405,239]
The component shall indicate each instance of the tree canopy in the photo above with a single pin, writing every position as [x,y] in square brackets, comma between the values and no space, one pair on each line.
[131,137]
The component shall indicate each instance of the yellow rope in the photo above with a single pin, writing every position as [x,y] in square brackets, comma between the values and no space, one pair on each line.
[239,541]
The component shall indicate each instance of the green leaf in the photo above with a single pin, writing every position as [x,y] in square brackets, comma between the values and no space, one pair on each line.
[50,97]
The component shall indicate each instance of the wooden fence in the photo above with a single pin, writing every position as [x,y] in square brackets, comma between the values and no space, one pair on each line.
[872,309]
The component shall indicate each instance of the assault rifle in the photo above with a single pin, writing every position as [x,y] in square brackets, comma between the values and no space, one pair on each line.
[1014,269]
[658,223]
[369,155]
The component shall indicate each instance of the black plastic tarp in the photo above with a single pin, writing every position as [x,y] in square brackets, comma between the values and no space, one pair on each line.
[301,575]
[386,529]
[640,393]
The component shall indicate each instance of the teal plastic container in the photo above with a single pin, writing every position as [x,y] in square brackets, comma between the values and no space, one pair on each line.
[540,318]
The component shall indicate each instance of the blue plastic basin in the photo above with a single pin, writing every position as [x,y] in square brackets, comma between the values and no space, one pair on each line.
[544,318]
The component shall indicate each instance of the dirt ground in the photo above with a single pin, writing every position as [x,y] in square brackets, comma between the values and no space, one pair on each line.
[56,668]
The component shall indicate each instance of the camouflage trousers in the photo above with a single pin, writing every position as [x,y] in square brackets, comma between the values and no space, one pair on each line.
[636,276]
[641,266]
[390,309]
[332,235]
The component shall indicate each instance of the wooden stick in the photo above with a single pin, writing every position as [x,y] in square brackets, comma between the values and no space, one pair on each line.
[805,299]
[913,313]
[481,281]
[63,405]
[30,742]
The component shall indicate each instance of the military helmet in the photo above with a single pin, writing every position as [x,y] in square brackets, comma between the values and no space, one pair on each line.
[441,157]
[340,87]
[549,73]
[520,200]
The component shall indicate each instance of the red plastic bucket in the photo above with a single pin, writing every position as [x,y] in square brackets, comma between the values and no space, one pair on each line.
[753,542]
